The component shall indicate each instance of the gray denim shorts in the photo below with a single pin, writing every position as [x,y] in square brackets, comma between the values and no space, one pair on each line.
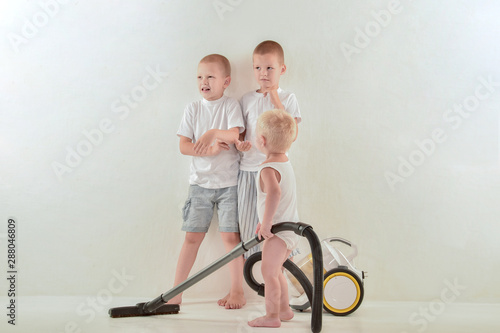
[199,209]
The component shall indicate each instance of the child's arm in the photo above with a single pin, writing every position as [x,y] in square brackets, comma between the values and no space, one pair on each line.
[241,144]
[269,179]
[273,94]
[242,135]
[186,147]
[275,99]
[277,104]
[207,139]
[297,129]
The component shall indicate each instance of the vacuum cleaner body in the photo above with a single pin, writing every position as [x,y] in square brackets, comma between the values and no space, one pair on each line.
[343,282]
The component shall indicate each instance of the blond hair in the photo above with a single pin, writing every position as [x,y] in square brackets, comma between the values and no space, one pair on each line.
[269,46]
[218,59]
[279,129]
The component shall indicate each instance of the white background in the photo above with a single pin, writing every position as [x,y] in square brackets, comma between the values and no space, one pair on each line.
[374,82]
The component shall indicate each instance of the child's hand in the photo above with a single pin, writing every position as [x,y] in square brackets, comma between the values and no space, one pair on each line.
[223,145]
[264,231]
[205,142]
[273,94]
[217,148]
[243,145]
[267,90]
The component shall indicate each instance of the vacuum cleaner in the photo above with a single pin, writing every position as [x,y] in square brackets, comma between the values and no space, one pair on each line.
[343,282]
[313,291]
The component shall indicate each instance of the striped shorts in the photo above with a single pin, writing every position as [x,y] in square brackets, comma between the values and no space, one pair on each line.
[247,208]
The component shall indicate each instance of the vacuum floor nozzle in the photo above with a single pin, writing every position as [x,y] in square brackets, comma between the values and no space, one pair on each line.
[138,311]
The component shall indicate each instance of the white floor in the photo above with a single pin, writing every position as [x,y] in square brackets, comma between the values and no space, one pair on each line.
[88,314]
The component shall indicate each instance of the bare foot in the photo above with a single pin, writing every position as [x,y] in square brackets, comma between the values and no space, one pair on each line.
[175,300]
[235,300]
[223,301]
[265,322]
[286,314]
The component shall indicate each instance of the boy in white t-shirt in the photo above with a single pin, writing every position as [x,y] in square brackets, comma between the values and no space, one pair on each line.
[268,65]
[208,131]
[276,202]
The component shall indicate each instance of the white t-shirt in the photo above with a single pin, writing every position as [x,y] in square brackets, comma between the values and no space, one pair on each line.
[253,104]
[221,170]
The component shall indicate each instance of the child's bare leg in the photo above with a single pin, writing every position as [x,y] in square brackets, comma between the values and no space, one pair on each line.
[236,298]
[273,252]
[189,250]
[286,312]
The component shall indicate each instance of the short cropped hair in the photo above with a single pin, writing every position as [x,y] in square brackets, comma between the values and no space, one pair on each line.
[279,128]
[219,59]
[269,46]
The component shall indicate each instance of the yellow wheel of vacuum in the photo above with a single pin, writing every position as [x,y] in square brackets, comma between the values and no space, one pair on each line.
[343,292]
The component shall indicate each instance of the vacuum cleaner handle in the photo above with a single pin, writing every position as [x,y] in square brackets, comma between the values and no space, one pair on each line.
[348,243]
[297,227]
[338,239]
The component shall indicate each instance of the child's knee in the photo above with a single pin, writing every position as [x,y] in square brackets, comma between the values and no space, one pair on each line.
[231,237]
[194,238]
[270,270]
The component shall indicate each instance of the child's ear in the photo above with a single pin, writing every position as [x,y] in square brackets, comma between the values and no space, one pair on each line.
[283,69]
[227,81]
[263,140]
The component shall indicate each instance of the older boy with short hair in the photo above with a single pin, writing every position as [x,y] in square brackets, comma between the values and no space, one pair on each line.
[208,130]
[276,202]
[268,65]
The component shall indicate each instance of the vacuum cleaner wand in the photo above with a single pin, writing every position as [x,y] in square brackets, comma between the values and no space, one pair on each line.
[235,253]
[157,306]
